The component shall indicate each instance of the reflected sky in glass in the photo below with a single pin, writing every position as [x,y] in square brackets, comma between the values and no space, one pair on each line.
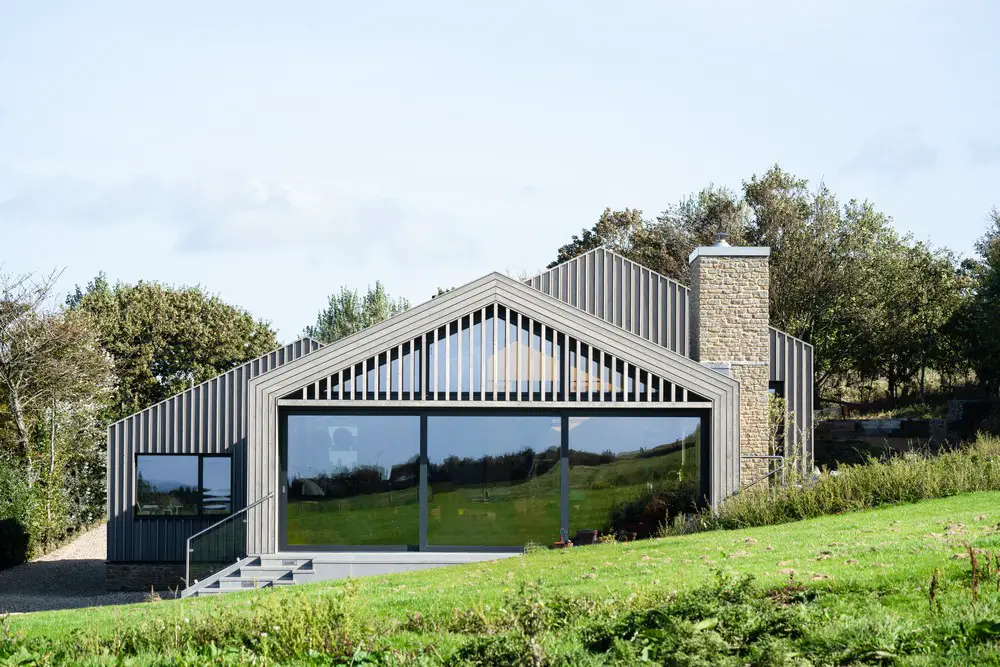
[332,444]
[477,436]
[216,474]
[626,434]
[167,473]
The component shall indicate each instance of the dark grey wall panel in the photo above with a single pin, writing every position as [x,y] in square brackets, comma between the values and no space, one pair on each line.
[792,365]
[209,418]
[623,293]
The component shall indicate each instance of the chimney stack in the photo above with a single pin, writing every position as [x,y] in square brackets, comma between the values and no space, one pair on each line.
[729,332]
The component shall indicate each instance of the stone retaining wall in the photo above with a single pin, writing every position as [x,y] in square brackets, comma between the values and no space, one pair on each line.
[143,576]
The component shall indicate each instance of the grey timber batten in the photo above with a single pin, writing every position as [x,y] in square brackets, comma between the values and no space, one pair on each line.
[639,300]
[494,290]
[792,366]
[657,308]
[209,418]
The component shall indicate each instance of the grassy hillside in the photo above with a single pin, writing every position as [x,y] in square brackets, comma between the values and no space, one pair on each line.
[844,589]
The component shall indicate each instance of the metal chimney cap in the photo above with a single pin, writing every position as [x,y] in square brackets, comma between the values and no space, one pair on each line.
[720,240]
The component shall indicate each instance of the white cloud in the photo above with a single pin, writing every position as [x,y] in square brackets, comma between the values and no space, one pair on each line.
[896,151]
[230,213]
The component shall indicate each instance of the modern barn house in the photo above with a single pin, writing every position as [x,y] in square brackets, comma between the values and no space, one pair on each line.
[497,415]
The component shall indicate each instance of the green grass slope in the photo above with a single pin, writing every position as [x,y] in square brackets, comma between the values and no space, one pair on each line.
[859,595]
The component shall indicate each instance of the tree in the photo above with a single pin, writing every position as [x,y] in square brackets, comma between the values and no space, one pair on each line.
[348,312]
[163,339]
[978,320]
[871,303]
[47,356]
[696,220]
[625,232]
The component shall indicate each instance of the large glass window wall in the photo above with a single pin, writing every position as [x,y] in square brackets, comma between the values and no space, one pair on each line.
[488,479]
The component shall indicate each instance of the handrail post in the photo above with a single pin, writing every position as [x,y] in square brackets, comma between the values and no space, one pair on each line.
[187,555]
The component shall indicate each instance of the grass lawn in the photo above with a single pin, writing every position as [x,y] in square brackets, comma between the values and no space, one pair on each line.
[865,575]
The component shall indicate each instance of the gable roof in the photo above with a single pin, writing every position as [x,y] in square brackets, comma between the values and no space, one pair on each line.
[604,283]
[265,363]
[623,292]
[492,289]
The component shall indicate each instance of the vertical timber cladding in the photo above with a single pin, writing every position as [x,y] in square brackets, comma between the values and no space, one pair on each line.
[626,294]
[792,366]
[719,392]
[611,287]
[209,418]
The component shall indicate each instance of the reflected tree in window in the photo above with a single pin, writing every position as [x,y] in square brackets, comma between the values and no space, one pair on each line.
[353,480]
[630,473]
[494,480]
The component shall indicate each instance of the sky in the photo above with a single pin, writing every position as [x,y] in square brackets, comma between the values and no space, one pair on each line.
[273,152]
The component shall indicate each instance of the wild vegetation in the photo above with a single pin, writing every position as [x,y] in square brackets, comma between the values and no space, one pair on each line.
[875,483]
[916,584]
[67,371]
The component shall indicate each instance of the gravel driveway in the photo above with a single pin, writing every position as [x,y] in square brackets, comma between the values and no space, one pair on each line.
[67,578]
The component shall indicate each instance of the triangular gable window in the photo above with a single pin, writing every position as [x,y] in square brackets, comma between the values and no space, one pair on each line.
[495,354]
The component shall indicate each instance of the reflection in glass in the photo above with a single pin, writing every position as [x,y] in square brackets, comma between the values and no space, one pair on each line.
[167,485]
[494,480]
[217,485]
[353,480]
[626,473]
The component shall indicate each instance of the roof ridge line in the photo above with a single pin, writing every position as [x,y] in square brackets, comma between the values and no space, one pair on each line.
[604,247]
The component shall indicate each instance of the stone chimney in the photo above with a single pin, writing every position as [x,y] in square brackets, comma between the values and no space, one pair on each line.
[729,332]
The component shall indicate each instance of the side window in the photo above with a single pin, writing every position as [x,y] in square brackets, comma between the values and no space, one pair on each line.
[185,485]
[167,486]
[216,485]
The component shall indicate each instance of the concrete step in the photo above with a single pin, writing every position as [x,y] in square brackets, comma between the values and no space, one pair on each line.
[282,561]
[239,584]
[260,572]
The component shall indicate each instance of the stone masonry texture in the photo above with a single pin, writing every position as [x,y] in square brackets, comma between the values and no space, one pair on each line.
[730,318]
[142,576]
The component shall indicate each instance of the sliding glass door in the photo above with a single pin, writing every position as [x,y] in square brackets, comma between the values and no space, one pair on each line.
[493,480]
[352,480]
[484,479]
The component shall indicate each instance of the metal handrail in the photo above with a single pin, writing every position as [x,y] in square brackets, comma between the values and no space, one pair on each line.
[187,555]
[771,457]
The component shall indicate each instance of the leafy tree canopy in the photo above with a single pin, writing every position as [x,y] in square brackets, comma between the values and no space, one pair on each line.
[162,339]
[842,278]
[348,312]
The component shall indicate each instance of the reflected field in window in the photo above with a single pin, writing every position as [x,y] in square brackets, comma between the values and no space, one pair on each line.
[493,480]
[627,472]
[353,480]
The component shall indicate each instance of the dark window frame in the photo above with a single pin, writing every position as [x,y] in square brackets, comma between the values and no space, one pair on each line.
[137,515]
[459,410]
[283,480]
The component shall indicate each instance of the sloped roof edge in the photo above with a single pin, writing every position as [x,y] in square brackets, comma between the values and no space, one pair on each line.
[492,288]
[250,362]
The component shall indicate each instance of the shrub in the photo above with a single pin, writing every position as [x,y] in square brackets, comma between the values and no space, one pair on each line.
[900,479]
[15,510]
[646,514]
